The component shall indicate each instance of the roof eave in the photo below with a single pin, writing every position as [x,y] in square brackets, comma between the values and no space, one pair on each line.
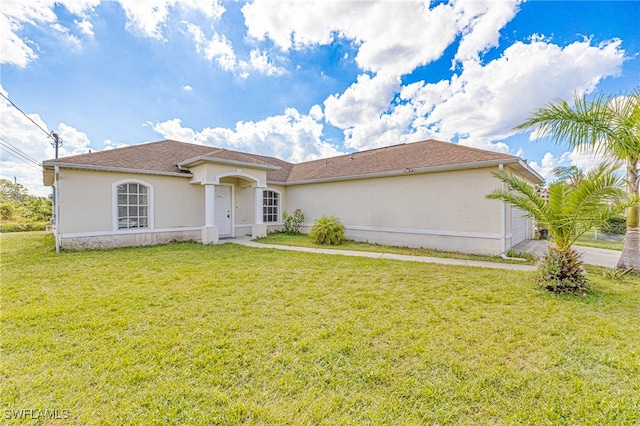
[47,165]
[201,159]
[419,170]
[530,170]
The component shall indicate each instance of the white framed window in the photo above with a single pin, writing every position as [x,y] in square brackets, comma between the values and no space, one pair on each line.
[133,205]
[270,206]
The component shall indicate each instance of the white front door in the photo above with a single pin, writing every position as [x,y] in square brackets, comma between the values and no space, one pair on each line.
[223,213]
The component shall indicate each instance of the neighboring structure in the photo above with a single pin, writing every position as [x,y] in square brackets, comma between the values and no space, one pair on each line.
[425,194]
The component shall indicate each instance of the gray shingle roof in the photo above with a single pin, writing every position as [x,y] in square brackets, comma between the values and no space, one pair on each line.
[163,157]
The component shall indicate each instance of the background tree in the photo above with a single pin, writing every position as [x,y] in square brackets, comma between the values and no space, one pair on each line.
[569,174]
[570,211]
[12,191]
[609,125]
[20,211]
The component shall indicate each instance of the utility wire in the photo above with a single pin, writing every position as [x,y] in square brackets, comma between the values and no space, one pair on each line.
[49,135]
[9,147]
[57,142]
[28,163]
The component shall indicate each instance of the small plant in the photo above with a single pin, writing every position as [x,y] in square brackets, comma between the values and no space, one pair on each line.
[617,274]
[293,222]
[561,271]
[327,230]
[615,226]
[521,255]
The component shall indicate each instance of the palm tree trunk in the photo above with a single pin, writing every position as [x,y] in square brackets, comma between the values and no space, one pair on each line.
[630,257]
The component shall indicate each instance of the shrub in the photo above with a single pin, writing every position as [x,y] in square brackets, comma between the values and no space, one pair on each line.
[327,230]
[292,222]
[561,271]
[615,226]
[617,274]
[23,226]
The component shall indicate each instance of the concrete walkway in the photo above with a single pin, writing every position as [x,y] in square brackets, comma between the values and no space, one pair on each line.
[592,256]
[424,259]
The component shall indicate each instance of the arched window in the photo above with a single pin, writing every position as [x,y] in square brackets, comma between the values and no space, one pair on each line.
[133,205]
[270,206]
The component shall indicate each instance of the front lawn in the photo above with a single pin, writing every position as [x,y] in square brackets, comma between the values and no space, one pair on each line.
[594,238]
[227,334]
[302,240]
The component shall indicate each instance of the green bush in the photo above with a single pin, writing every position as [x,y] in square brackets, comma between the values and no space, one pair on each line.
[615,226]
[23,226]
[293,222]
[561,271]
[327,230]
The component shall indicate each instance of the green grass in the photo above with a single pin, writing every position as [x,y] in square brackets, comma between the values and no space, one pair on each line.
[302,240]
[227,334]
[589,240]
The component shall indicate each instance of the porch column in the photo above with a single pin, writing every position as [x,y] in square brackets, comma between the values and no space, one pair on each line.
[258,229]
[209,230]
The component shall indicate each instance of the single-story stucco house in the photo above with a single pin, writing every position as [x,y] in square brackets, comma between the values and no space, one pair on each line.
[425,194]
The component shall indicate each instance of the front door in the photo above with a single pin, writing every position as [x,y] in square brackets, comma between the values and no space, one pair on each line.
[223,210]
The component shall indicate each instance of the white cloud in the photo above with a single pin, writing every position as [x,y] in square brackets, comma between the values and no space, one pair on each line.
[480,23]
[109,144]
[291,136]
[362,102]
[13,50]
[22,134]
[172,129]
[85,27]
[77,7]
[66,36]
[483,103]
[14,15]
[583,158]
[187,88]
[259,61]
[217,48]
[149,17]
[74,141]
[393,38]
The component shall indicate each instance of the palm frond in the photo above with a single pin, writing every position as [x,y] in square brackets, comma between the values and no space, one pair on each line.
[607,124]
[571,209]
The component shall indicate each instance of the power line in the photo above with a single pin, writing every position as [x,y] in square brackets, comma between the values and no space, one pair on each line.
[16,150]
[19,158]
[54,136]
[25,114]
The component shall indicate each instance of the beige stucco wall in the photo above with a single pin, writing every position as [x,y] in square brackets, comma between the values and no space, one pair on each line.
[86,203]
[445,210]
[213,173]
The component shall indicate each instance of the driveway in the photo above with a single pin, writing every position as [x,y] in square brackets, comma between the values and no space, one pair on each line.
[590,255]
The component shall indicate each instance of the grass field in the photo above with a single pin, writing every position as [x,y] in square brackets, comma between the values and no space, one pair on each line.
[589,240]
[302,240]
[193,334]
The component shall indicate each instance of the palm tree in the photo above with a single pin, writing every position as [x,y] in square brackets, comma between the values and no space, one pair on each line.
[570,174]
[571,209]
[609,125]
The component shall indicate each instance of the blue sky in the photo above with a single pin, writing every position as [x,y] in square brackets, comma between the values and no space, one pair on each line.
[302,80]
